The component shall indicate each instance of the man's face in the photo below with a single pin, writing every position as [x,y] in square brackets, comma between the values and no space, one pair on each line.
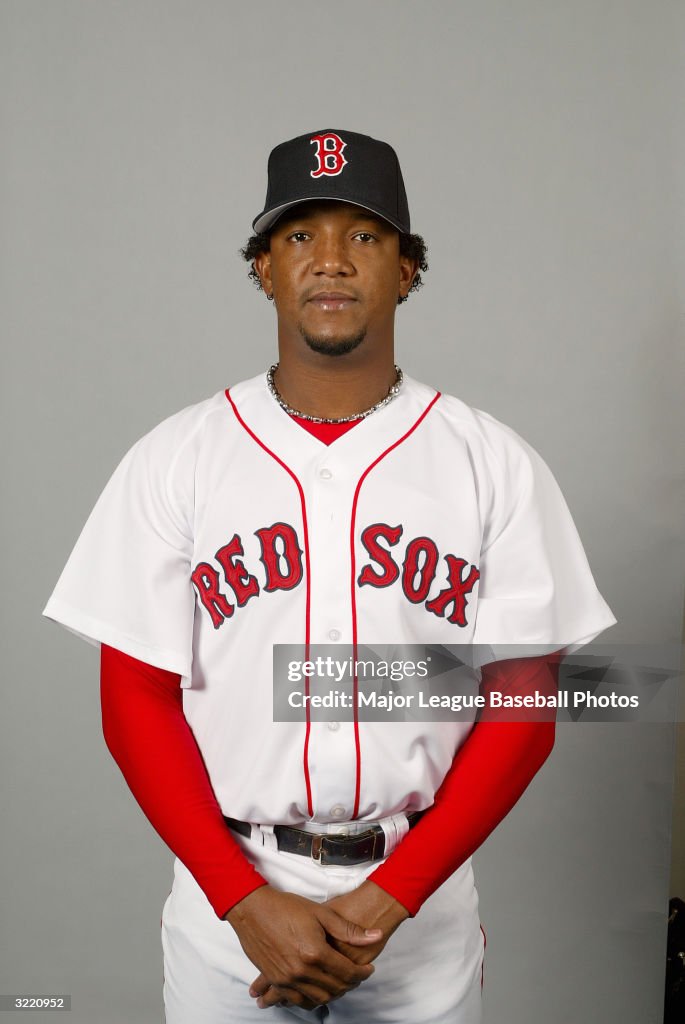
[335,272]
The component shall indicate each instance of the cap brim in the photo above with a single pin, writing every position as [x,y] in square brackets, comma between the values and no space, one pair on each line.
[268,218]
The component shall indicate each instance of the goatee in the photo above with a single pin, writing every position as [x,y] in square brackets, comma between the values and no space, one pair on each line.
[332,346]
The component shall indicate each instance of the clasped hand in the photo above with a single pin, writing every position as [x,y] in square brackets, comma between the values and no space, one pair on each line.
[310,953]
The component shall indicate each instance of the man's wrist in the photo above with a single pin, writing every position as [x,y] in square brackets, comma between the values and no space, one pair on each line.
[245,906]
[384,907]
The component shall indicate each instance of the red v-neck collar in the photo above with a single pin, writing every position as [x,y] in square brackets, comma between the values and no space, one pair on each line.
[326,432]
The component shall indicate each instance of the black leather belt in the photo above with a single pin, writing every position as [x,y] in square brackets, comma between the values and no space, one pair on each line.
[328,848]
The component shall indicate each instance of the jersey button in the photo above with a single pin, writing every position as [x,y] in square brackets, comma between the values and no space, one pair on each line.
[334,726]
[334,634]
[338,811]
[325,474]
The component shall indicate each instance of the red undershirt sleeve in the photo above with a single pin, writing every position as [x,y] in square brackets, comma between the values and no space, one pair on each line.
[151,741]
[488,775]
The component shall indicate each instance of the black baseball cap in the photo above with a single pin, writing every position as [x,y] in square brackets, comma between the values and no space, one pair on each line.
[334,164]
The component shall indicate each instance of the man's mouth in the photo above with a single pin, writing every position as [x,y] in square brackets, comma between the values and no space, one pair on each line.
[331,300]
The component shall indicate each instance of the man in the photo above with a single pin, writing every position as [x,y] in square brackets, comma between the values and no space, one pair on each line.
[323,867]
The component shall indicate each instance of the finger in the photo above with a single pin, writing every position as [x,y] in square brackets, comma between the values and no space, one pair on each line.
[357,954]
[258,986]
[315,985]
[342,928]
[284,996]
[328,975]
[274,996]
[338,966]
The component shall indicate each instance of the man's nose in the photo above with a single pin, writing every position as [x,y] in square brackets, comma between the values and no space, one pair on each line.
[331,256]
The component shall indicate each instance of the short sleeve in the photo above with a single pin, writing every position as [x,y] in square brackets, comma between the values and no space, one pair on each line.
[536,592]
[127,580]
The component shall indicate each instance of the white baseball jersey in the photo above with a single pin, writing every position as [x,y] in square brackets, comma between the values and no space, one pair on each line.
[228,528]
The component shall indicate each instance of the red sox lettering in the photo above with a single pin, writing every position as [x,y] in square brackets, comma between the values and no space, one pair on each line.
[242,583]
[281,557]
[418,571]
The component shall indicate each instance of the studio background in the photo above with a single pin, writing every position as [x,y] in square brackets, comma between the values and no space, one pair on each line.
[539,148]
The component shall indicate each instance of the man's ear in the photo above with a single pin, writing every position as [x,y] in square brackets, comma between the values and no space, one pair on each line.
[408,271]
[262,264]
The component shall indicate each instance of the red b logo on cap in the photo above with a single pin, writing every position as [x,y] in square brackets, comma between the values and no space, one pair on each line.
[329,154]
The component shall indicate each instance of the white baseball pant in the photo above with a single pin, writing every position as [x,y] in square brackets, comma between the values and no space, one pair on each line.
[430,971]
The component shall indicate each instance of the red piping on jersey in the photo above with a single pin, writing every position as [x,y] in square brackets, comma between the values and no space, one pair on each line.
[482,962]
[305,753]
[361,480]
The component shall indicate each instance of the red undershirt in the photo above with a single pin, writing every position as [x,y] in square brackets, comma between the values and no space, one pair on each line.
[151,741]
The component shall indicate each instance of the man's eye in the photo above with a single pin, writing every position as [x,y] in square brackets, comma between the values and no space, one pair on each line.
[365,236]
[298,236]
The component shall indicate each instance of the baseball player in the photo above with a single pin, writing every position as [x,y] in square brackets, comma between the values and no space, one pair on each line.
[323,868]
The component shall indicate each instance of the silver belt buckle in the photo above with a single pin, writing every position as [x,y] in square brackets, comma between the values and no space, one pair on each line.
[317,841]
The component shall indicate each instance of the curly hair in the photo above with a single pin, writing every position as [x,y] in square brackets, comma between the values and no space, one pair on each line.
[412,246]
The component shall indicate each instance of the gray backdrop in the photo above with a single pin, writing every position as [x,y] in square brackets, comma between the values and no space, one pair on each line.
[538,142]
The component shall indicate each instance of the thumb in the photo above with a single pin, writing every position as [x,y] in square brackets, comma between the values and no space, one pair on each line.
[347,931]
